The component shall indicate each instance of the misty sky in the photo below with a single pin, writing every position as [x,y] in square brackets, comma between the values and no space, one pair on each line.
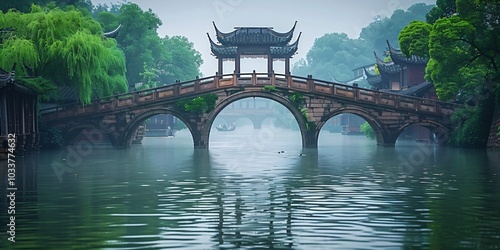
[193,19]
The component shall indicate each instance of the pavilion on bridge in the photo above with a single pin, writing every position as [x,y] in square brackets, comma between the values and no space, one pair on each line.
[253,42]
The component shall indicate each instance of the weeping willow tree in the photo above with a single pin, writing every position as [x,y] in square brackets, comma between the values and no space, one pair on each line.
[53,47]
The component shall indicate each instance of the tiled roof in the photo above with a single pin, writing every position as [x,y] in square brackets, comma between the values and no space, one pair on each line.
[387,67]
[372,79]
[254,36]
[7,82]
[416,89]
[398,57]
[284,51]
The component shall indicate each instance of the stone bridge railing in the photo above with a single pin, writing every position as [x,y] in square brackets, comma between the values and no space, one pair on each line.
[200,86]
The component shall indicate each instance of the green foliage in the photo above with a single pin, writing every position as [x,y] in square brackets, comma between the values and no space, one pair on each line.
[367,130]
[40,85]
[148,78]
[199,104]
[334,55]
[472,125]
[269,88]
[297,99]
[183,60]
[25,5]
[50,137]
[462,45]
[443,8]
[498,131]
[413,39]
[310,126]
[63,48]
[169,58]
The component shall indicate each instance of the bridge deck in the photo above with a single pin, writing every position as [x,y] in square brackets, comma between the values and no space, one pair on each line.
[197,87]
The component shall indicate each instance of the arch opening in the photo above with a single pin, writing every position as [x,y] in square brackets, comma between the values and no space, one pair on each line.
[422,133]
[86,132]
[159,126]
[346,129]
[259,122]
[354,119]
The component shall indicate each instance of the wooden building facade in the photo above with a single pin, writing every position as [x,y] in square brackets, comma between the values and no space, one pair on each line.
[18,115]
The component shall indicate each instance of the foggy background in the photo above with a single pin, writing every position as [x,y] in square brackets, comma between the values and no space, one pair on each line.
[193,19]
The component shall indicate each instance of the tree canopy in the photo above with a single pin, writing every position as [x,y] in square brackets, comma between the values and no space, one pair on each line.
[462,39]
[149,57]
[54,47]
[334,55]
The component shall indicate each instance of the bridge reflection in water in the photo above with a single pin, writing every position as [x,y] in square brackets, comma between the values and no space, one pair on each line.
[119,116]
[346,194]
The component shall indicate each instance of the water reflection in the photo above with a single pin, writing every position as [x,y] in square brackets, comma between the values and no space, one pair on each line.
[347,194]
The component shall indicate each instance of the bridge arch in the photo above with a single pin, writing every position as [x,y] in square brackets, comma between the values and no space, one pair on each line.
[441,132]
[127,135]
[70,134]
[205,133]
[380,134]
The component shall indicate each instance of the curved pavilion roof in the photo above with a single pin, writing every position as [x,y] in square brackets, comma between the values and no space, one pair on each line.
[387,67]
[7,81]
[222,51]
[372,79]
[398,57]
[113,33]
[254,36]
[254,42]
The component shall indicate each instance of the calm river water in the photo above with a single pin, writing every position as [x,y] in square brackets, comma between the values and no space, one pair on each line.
[256,189]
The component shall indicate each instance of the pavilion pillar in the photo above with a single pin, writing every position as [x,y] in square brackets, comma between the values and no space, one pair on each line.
[287,66]
[3,114]
[237,64]
[220,69]
[269,64]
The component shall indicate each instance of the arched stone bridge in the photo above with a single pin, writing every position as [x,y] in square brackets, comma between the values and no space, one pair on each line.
[119,116]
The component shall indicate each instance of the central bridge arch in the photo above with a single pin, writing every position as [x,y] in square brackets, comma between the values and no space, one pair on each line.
[205,133]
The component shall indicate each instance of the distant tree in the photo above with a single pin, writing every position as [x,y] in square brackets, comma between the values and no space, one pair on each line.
[333,56]
[55,48]
[388,28]
[170,58]
[182,60]
[25,5]
[443,8]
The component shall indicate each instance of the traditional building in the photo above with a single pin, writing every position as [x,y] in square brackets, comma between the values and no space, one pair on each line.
[404,75]
[18,114]
[253,42]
